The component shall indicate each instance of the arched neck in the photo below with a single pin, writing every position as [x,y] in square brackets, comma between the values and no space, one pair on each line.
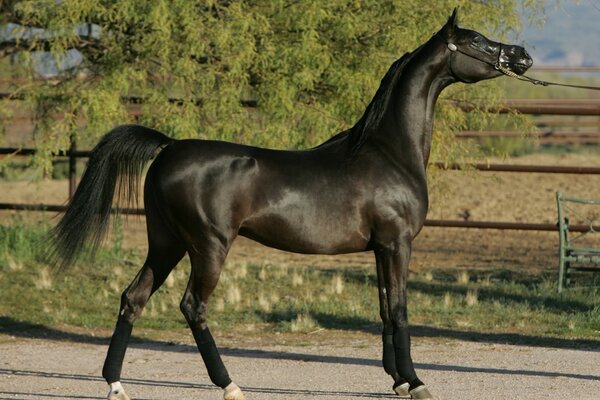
[405,130]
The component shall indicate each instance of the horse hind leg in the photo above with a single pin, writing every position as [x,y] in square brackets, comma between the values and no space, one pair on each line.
[164,252]
[206,269]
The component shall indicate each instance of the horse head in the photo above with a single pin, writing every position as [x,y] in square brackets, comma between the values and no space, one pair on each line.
[473,57]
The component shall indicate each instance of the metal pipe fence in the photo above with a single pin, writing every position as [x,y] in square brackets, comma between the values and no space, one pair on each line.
[73,154]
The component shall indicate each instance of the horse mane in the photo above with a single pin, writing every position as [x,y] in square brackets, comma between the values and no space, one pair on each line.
[371,119]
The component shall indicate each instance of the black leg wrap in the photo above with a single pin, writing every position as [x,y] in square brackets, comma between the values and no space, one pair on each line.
[389,358]
[415,384]
[214,365]
[116,352]
[404,363]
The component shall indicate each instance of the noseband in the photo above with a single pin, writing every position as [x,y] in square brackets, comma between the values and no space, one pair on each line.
[506,71]
[499,54]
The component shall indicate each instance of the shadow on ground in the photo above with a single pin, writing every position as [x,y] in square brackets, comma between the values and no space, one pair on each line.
[9,326]
[174,384]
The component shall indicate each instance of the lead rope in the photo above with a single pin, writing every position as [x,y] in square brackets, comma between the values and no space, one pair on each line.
[539,82]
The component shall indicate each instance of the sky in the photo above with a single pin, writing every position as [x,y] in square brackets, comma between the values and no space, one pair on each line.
[570,35]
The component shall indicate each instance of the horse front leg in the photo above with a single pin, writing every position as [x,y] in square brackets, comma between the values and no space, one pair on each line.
[392,267]
[389,358]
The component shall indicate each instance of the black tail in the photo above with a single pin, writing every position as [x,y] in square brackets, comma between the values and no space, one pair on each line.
[118,159]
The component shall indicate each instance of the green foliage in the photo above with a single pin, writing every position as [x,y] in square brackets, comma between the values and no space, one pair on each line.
[12,169]
[310,67]
[20,168]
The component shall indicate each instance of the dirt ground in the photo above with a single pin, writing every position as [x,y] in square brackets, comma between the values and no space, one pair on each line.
[326,365]
[70,368]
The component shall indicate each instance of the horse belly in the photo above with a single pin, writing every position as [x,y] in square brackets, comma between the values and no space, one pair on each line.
[309,227]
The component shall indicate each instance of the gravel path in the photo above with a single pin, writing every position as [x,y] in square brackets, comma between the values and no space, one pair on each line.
[454,369]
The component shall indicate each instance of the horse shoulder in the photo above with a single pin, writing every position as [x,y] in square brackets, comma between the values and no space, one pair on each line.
[400,209]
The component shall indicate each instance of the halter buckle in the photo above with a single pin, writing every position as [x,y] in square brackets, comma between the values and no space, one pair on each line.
[452,47]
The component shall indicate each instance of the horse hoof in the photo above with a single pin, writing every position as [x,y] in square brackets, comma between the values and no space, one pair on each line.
[420,392]
[118,395]
[116,392]
[402,390]
[233,392]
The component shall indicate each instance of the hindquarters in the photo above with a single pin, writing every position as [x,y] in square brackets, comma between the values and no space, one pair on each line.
[204,190]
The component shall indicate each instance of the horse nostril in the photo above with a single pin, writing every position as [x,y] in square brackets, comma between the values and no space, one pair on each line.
[527,57]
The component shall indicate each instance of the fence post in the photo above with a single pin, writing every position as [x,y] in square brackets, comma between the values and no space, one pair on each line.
[72,166]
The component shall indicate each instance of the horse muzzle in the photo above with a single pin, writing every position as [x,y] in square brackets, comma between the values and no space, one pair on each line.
[515,58]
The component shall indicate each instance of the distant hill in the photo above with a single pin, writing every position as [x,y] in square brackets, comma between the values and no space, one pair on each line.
[570,35]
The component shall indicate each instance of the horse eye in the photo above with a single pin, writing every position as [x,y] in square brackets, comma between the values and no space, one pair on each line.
[481,44]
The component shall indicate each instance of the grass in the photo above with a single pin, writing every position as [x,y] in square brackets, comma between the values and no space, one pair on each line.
[20,243]
[274,298]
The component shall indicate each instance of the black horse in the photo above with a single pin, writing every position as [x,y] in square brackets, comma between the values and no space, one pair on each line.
[364,189]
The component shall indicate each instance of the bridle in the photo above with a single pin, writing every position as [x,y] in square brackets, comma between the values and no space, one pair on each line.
[506,71]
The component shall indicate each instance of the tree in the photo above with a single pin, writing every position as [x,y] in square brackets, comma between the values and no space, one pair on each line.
[279,73]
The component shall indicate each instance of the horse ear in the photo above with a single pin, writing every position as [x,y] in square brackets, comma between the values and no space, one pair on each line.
[453,20]
[451,24]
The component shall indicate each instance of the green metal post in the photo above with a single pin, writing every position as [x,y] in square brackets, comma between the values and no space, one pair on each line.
[562,243]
